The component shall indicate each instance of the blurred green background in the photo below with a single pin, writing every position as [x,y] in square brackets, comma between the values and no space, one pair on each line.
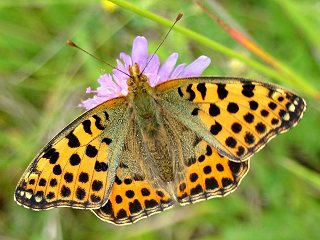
[43,80]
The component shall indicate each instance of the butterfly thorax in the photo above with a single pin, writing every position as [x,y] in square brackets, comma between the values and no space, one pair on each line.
[146,114]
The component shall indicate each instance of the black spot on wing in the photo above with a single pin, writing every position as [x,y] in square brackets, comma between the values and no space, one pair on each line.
[83,177]
[98,122]
[247,89]
[196,190]
[214,110]
[65,191]
[96,185]
[216,128]
[240,151]
[272,105]
[192,94]
[222,92]
[57,169]
[145,192]
[236,127]
[42,182]
[48,152]
[108,209]
[53,182]
[253,105]
[135,206]
[211,183]
[106,115]
[150,203]
[226,182]
[195,112]
[68,177]
[201,87]
[249,138]
[87,126]
[122,214]
[91,151]
[119,199]
[80,193]
[73,140]
[261,128]
[107,140]
[95,198]
[127,181]
[100,166]
[235,167]
[249,118]
[232,107]
[74,159]
[231,142]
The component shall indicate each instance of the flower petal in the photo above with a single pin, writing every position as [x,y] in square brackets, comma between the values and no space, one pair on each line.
[122,82]
[167,67]
[151,71]
[127,61]
[177,71]
[106,83]
[140,51]
[120,75]
[89,90]
[105,80]
[92,102]
[196,67]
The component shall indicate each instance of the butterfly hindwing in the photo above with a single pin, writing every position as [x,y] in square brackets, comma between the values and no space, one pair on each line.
[209,174]
[138,191]
[74,168]
[133,199]
[236,116]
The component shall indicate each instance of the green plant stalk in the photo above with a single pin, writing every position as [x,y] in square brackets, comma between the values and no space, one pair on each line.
[300,83]
[303,172]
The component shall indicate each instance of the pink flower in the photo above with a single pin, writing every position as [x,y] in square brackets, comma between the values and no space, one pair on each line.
[112,86]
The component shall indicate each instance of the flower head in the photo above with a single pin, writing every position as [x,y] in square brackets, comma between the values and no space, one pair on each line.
[115,85]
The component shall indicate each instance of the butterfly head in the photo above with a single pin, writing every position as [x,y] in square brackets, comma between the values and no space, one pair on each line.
[138,82]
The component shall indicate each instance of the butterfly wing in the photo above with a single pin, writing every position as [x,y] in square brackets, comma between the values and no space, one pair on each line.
[138,191]
[236,116]
[77,167]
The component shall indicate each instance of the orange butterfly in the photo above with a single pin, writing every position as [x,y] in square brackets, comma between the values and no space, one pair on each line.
[146,143]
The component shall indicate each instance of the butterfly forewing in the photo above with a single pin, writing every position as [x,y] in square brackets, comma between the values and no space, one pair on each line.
[236,116]
[74,168]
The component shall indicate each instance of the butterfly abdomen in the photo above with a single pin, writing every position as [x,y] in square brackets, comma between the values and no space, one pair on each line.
[155,138]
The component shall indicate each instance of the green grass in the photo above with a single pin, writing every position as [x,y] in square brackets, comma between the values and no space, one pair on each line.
[43,80]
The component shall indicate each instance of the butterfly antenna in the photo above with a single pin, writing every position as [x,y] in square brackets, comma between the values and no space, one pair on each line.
[72,44]
[177,19]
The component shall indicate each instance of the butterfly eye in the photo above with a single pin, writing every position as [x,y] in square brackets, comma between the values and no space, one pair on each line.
[130,82]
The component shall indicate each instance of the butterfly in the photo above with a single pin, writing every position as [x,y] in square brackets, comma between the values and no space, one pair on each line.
[181,141]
